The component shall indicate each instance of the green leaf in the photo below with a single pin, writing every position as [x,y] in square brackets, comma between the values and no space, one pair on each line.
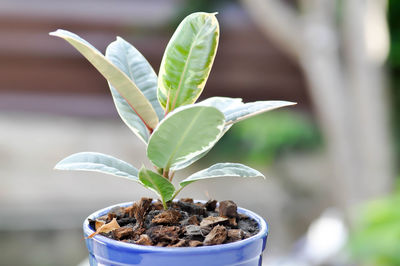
[98,162]
[222,170]
[157,183]
[128,59]
[187,60]
[240,112]
[130,118]
[222,103]
[118,79]
[184,134]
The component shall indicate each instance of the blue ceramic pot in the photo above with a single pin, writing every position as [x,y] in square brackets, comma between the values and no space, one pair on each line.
[105,251]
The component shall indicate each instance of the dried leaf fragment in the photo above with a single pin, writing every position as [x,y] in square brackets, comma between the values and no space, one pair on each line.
[105,228]
[98,224]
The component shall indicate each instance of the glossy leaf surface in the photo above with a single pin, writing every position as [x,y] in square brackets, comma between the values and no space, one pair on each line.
[184,134]
[157,183]
[117,78]
[222,170]
[187,60]
[222,104]
[237,113]
[129,60]
[98,162]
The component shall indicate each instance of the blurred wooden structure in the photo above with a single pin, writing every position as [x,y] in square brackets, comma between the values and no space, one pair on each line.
[35,66]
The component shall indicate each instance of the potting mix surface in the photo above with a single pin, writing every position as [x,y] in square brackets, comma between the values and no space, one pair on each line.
[184,224]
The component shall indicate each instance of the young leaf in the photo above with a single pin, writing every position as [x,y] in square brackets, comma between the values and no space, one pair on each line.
[187,60]
[222,170]
[184,134]
[98,162]
[118,79]
[157,183]
[240,112]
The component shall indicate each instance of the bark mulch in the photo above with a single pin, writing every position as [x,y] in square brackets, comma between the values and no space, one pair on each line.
[184,224]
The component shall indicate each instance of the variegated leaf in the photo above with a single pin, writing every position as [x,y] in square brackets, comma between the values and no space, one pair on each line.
[237,113]
[157,183]
[98,162]
[184,134]
[118,79]
[222,170]
[128,59]
[187,60]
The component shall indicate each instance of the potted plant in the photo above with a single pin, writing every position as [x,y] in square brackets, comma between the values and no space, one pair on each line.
[162,112]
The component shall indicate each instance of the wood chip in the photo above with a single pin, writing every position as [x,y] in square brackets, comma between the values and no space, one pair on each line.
[187,200]
[211,221]
[144,240]
[211,205]
[217,236]
[233,222]
[162,233]
[195,243]
[191,208]
[162,244]
[193,220]
[141,209]
[181,243]
[235,234]
[193,230]
[128,210]
[157,206]
[227,208]
[167,217]
[123,232]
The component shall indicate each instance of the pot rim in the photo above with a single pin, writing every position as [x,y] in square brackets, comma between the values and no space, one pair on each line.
[263,226]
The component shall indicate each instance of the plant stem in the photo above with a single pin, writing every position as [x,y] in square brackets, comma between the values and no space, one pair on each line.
[165,173]
[159,170]
[171,176]
[164,205]
[176,193]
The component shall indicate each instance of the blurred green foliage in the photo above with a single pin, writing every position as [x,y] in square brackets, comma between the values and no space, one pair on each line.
[261,139]
[394,67]
[376,236]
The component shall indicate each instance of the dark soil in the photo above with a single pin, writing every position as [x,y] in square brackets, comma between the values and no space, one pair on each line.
[184,224]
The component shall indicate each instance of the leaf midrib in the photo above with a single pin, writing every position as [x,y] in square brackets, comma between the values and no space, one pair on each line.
[185,133]
[185,67]
[97,165]
[121,72]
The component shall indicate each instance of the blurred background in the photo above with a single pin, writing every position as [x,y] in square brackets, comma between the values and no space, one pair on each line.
[331,161]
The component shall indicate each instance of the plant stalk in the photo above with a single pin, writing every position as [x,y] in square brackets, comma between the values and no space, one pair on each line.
[164,205]
[171,176]
[176,193]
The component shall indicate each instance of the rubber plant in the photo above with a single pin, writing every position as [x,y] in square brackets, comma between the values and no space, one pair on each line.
[162,110]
